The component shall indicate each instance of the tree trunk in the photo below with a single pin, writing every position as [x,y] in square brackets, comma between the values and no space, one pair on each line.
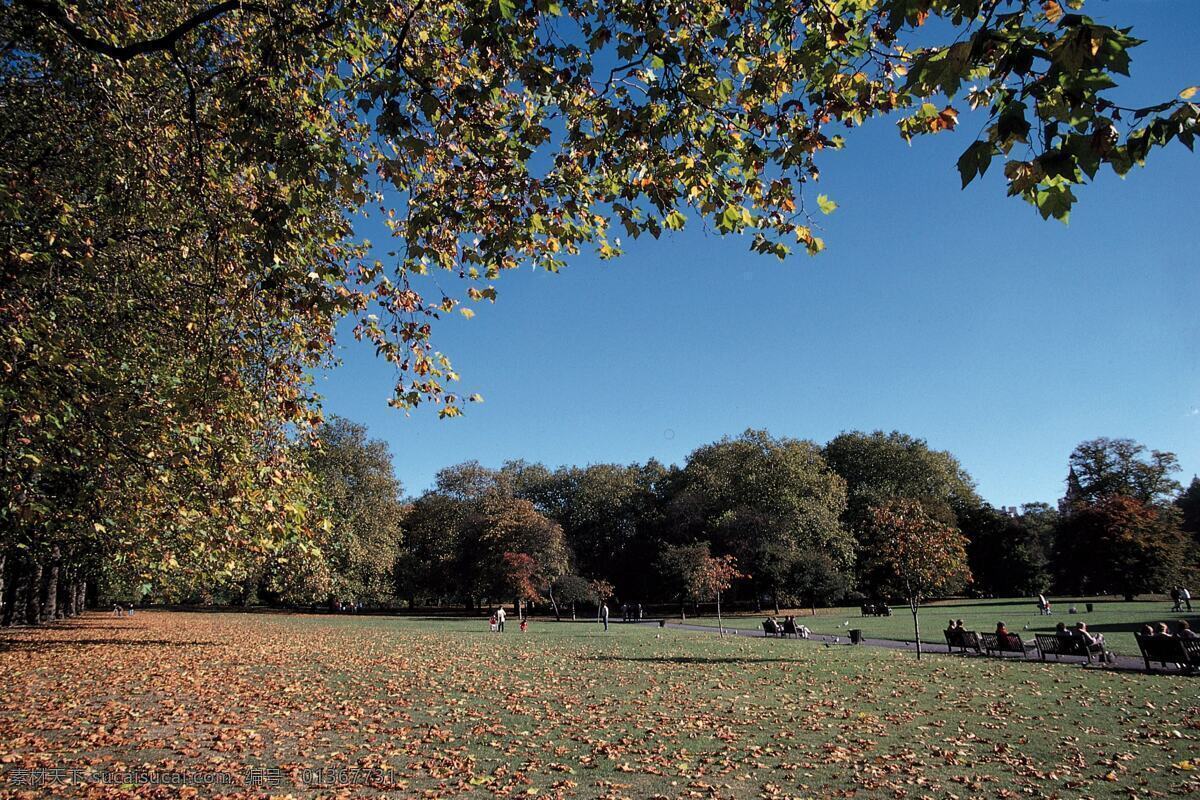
[33,595]
[10,594]
[775,601]
[49,609]
[721,625]
[80,596]
[683,611]
[69,596]
[916,626]
[554,605]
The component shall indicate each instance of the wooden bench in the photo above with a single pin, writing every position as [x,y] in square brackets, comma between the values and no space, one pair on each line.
[993,643]
[789,629]
[1170,650]
[771,629]
[1058,646]
[964,641]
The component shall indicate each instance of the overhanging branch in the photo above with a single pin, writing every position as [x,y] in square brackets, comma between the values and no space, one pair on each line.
[59,16]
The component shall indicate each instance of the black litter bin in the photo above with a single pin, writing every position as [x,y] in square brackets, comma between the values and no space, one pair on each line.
[1090,608]
[855,636]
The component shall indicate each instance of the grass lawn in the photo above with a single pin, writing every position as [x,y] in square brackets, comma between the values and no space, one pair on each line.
[1116,619]
[568,711]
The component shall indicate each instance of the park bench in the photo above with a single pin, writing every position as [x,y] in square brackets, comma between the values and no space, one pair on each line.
[789,629]
[876,610]
[1170,650]
[771,629]
[964,641]
[1058,646]
[999,645]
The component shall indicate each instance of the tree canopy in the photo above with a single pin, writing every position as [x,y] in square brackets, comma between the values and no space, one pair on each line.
[180,182]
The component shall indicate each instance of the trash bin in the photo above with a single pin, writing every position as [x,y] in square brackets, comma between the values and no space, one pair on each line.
[855,636]
[1090,607]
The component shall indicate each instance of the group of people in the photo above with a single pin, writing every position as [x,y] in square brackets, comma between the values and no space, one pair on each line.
[1079,633]
[497,621]
[787,627]
[1163,631]
[631,613]
[1180,597]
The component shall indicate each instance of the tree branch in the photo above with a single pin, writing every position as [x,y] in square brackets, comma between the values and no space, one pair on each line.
[127,52]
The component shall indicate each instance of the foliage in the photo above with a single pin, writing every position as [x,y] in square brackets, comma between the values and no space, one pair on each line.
[360,497]
[1007,556]
[765,500]
[1110,467]
[880,466]
[1121,545]
[818,580]
[916,556]
[1188,503]
[507,547]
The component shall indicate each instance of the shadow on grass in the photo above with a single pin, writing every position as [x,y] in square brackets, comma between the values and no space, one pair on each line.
[694,660]
[44,645]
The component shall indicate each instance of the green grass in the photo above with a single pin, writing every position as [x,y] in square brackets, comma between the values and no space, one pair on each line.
[1116,619]
[569,711]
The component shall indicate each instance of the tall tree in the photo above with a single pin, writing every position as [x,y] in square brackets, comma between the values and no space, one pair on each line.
[1110,467]
[1007,556]
[1121,545]
[360,497]
[765,500]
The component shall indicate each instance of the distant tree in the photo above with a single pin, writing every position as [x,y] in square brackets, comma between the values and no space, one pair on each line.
[765,500]
[818,580]
[715,575]
[1122,467]
[1121,545]
[607,512]
[677,564]
[915,555]
[361,496]
[1007,557]
[568,590]
[430,561]
[1188,503]
[879,467]
[467,481]
[500,525]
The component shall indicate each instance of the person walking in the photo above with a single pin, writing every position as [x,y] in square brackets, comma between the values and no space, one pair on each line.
[500,619]
[604,614]
[1186,597]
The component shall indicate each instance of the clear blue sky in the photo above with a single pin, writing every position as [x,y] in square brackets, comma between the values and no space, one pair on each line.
[957,316]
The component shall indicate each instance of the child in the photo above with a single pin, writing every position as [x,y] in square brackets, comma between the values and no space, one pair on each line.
[492,622]
[524,626]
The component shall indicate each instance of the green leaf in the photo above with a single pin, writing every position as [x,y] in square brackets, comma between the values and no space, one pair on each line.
[827,206]
[975,161]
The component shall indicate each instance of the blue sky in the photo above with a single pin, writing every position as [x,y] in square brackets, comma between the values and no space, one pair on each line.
[957,316]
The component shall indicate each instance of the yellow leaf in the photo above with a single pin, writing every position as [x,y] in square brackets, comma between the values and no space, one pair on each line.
[1189,93]
[466,312]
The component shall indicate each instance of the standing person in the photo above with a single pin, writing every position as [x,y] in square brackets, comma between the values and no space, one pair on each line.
[624,612]
[1176,599]
[1186,596]
[1043,606]
[604,614]
[500,619]
[639,612]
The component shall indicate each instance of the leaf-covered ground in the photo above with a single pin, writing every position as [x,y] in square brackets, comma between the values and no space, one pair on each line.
[445,708]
